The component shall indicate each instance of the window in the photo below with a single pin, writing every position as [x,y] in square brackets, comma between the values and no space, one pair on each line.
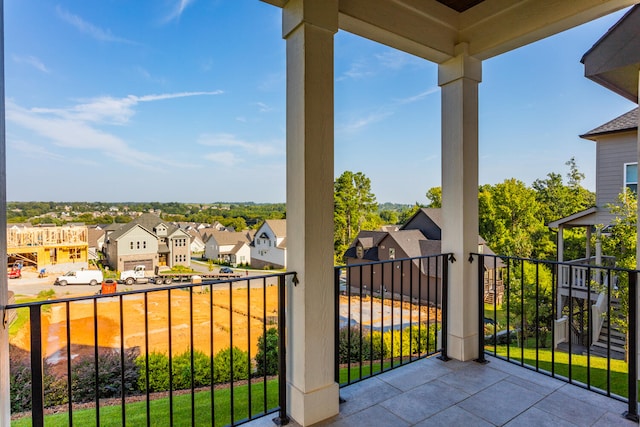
[131,245]
[144,244]
[74,253]
[138,245]
[392,253]
[359,251]
[631,177]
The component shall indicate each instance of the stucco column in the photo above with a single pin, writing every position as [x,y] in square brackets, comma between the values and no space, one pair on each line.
[309,27]
[5,401]
[459,78]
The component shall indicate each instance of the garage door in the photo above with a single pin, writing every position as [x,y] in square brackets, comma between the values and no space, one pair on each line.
[148,264]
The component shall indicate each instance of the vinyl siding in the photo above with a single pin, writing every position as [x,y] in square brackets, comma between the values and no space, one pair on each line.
[612,152]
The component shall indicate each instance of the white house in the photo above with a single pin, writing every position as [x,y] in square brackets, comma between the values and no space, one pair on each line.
[269,246]
[228,246]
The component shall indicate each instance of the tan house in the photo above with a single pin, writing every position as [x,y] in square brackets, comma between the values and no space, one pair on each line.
[229,246]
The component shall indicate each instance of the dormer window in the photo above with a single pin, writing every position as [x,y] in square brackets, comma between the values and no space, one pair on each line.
[359,251]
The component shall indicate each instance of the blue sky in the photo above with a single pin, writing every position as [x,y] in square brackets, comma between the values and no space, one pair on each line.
[184,100]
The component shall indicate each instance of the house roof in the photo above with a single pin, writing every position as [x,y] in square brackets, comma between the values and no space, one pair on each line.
[614,59]
[624,123]
[369,240]
[115,235]
[226,238]
[93,235]
[278,226]
[579,219]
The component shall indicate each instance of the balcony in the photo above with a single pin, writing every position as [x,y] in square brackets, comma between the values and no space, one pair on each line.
[390,352]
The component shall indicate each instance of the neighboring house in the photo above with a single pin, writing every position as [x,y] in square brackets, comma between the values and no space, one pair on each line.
[148,241]
[95,241]
[269,246]
[197,244]
[230,247]
[419,237]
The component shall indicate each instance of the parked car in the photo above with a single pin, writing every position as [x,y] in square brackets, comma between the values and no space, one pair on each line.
[226,270]
[15,273]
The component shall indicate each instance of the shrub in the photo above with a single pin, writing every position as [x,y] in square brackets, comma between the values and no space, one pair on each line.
[349,349]
[182,375]
[55,389]
[158,372]
[267,355]
[223,366]
[83,376]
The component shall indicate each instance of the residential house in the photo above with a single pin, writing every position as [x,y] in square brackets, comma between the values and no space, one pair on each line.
[269,246]
[148,241]
[420,236]
[229,246]
[95,241]
[197,244]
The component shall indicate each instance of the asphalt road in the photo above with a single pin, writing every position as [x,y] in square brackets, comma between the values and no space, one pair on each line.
[30,284]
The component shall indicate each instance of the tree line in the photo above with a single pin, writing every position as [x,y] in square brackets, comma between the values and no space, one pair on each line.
[513,217]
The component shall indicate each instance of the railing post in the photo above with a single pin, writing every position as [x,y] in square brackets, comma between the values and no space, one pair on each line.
[37,372]
[632,351]
[481,358]
[336,326]
[282,418]
[445,304]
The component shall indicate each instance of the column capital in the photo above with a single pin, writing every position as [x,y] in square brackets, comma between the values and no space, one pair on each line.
[319,13]
[460,66]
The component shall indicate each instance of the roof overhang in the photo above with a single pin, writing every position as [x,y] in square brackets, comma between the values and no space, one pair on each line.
[614,60]
[431,29]
[583,218]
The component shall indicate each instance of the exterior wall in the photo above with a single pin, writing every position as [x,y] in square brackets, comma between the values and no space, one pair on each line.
[612,152]
[136,245]
[180,250]
[128,262]
[243,255]
[265,252]
[211,249]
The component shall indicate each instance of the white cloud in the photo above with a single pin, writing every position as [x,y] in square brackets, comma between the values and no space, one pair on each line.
[179,7]
[419,96]
[77,127]
[111,110]
[231,141]
[31,60]
[263,108]
[90,29]
[360,123]
[396,59]
[225,158]
[357,70]
[33,150]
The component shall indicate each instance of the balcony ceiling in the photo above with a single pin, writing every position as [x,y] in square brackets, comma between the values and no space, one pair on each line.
[431,29]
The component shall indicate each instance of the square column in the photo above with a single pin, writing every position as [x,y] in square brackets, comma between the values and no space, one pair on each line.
[309,27]
[459,78]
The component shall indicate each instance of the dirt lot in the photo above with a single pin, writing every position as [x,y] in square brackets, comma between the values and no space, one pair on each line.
[227,314]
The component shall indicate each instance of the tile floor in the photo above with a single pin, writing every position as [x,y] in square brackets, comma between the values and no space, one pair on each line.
[435,393]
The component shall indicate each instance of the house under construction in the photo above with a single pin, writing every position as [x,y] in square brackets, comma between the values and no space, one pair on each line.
[51,248]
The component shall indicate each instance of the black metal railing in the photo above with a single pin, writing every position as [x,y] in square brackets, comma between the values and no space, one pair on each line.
[211,352]
[579,326]
[389,313]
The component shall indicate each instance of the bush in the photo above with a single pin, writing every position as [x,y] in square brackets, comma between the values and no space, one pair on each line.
[83,376]
[55,389]
[158,372]
[223,366]
[267,355]
[182,375]
[349,349]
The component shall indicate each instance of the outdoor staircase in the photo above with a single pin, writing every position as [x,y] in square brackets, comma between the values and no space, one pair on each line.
[616,343]
[618,339]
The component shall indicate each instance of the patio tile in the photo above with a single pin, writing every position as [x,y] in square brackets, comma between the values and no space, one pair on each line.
[416,373]
[473,378]
[541,381]
[364,394]
[611,419]
[424,401]
[538,418]
[501,402]
[570,408]
[593,398]
[375,416]
[454,416]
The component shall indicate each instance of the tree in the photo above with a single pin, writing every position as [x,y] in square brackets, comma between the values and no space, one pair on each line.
[354,203]
[434,195]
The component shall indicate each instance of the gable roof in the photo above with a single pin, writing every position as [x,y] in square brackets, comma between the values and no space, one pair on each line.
[369,240]
[624,123]
[128,227]
[278,226]
[225,238]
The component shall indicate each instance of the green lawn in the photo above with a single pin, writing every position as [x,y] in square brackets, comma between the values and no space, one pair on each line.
[136,413]
[579,364]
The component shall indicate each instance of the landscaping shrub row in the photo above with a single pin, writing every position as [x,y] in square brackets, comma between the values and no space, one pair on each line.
[227,364]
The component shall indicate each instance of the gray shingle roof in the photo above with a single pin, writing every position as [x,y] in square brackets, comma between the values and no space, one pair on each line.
[627,121]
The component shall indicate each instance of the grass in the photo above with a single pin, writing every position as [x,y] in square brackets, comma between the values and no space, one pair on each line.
[558,363]
[136,413]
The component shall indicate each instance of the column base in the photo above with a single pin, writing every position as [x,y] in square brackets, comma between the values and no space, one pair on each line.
[463,349]
[310,408]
